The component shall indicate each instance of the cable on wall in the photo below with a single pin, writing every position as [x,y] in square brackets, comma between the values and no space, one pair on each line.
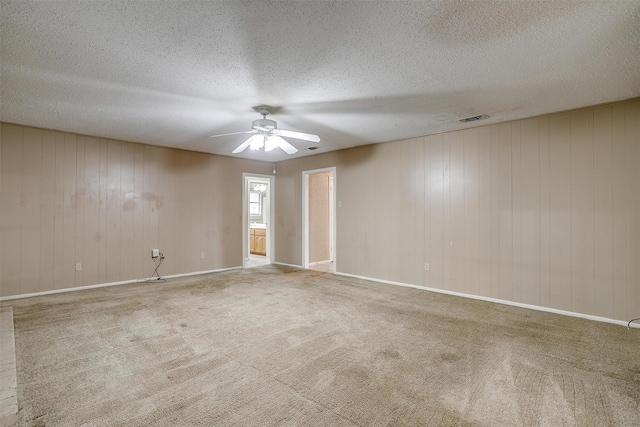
[155,277]
[631,321]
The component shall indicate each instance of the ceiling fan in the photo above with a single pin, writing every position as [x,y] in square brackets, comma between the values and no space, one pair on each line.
[267,135]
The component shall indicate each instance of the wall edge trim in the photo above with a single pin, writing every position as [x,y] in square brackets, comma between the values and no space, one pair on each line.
[326,261]
[288,265]
[495,300]
[104,285]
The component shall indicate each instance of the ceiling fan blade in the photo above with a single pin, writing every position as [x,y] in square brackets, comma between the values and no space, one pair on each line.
[233,133]
[297,135]
[242,147]
[286,147]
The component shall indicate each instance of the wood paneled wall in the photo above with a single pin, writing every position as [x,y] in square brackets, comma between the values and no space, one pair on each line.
[544,211]
[70,199]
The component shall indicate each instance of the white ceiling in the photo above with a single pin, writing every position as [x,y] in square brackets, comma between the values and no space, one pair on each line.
[353,72]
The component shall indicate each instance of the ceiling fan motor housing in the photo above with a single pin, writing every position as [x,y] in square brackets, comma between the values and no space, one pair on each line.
[264,123]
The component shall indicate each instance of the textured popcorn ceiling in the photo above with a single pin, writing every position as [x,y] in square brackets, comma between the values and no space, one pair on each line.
[172,73]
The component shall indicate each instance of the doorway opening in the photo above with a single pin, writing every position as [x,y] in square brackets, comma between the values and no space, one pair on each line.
[257,213]
[319,219]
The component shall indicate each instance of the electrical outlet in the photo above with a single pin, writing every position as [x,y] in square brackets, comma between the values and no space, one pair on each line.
[426,266]
[155,253]
[339,203]
[78,266]
[202,255]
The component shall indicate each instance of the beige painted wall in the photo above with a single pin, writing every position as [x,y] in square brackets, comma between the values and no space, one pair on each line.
[544,211]
[70,199]
[319,217]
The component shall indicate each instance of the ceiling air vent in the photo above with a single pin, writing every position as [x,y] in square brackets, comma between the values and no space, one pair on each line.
[474,118]
[312,148]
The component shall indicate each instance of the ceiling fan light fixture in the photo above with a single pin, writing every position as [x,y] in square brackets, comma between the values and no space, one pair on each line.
[256,142]
[270,144]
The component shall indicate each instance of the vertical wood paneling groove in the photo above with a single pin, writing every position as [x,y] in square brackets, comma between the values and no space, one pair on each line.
[456,211]
[77,203]
[163,185]
[58,213]
[495,211]
[382,257]
[417,202]
[530,207]
[516,211]
[154,197]
[114,246]
[91,207]
[545,231]
[447,211]
[47,217]
[31,204]
[560,212]
[11,242]
[437,211]
[593,210]
[144,201]
[168,217]
[69,217]
[142,249]
[126,196]
[582,220]
[538,297]
[506,212]
[484,215]
[471,264]
[603,209]
[102,219]
[1,202]
[619,210]
[632,139]
[209,261]
[426,160]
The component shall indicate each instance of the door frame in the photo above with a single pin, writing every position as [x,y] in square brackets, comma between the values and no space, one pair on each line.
[271,243]
[305,215]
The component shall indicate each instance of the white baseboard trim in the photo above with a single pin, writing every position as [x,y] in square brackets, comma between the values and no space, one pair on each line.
[104,285]
[372,279]
[196,273]
[327,261]
[495,300]
[288,265]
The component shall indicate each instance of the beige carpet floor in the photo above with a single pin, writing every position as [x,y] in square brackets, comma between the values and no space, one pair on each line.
[280,346]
